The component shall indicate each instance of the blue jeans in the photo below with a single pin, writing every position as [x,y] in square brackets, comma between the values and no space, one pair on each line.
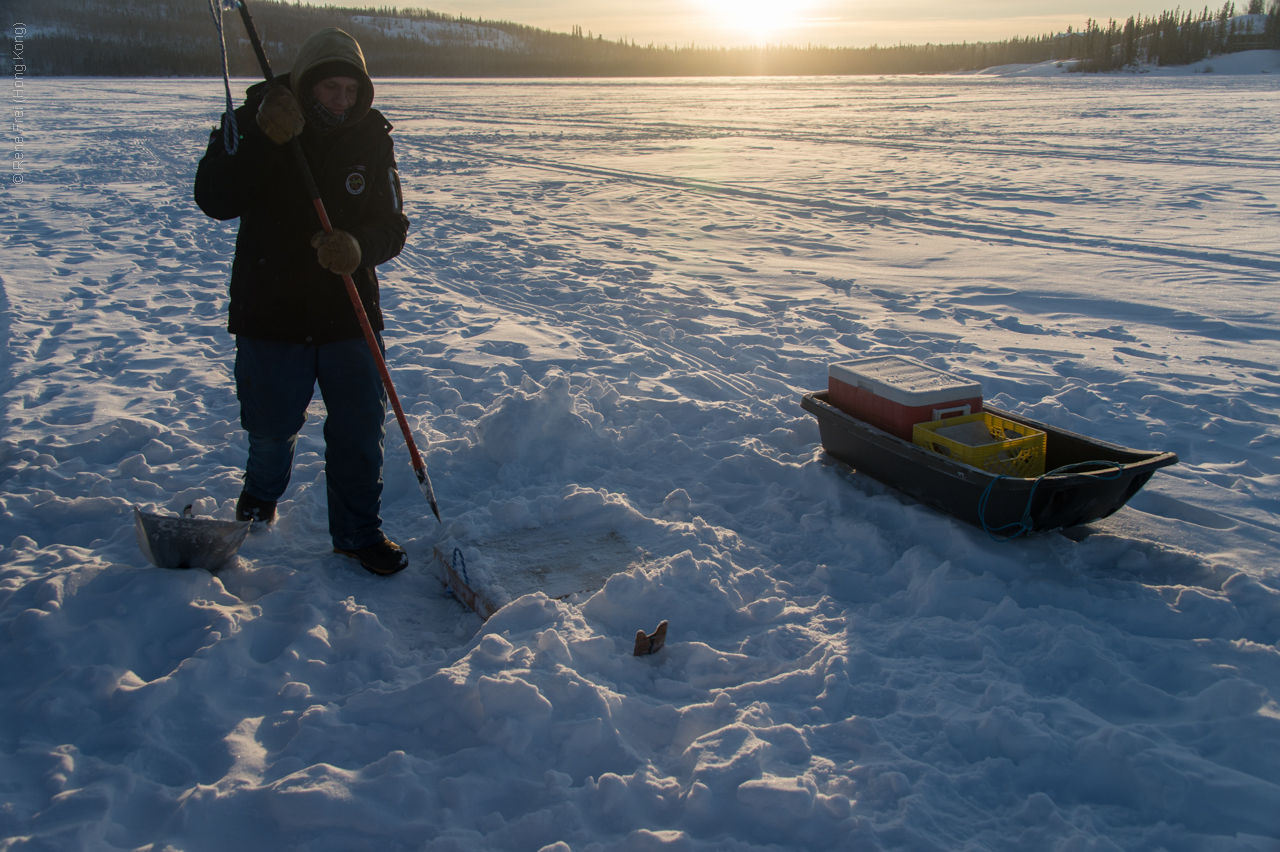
[275,383]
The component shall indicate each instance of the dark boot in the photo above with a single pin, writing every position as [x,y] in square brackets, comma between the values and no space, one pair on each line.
[250,508]
[384,558]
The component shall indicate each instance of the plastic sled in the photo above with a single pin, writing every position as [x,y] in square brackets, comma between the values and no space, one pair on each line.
[1057,501]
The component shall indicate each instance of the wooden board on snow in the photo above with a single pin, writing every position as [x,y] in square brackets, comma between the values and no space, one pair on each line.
[550,561]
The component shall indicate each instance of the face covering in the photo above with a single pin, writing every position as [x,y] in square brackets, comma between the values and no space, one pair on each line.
[319,117]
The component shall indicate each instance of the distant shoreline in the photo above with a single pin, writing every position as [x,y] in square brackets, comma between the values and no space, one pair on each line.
[1248,63]
[71,38]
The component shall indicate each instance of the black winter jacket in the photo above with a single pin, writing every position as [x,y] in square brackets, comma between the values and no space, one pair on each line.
[279,290]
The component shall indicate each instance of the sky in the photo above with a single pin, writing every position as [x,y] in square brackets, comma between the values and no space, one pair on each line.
[835,23]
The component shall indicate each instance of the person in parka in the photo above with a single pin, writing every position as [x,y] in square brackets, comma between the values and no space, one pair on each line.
[294,323]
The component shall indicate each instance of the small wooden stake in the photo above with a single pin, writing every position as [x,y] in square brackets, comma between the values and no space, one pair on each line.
[651,643]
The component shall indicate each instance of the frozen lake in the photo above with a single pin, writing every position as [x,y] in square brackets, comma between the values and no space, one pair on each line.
[613,296]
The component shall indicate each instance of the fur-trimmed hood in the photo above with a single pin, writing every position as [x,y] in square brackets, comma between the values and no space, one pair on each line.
[327,46]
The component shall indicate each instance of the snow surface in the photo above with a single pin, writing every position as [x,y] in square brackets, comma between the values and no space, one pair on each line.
[613,296]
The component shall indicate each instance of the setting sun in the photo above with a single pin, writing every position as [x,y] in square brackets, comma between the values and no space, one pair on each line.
[758,20]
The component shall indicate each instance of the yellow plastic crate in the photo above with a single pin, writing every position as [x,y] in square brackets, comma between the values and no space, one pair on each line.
[993,443]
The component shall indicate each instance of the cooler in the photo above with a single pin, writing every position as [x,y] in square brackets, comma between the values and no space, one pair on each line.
[893,393]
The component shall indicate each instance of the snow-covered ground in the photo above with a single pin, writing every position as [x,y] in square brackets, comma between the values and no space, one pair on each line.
[613,296]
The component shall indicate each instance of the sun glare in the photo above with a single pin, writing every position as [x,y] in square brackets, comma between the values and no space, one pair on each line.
[759,21]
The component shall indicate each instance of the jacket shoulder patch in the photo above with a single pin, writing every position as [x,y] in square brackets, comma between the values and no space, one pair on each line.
[355,183]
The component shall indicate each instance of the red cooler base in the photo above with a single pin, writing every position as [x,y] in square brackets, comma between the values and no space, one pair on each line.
[893,417]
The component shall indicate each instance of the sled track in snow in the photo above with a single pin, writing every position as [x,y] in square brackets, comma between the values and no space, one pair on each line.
[882,214]
[675,131]
[679,358]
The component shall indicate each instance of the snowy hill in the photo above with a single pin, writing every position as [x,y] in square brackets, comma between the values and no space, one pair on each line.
[1248,24]
[440,32]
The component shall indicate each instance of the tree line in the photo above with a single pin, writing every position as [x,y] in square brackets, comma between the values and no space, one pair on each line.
[140,38]
[1172,38]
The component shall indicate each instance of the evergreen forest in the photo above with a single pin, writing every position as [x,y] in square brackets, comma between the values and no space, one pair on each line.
[177,38]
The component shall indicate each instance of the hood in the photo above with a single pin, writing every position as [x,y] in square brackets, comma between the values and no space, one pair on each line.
[323,48]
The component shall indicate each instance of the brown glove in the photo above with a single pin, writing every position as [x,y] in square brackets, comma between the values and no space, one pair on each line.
[338,252]
[279,116]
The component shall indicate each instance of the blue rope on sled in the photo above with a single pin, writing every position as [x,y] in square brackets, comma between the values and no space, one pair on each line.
[458,558]
[459,562]
[1024,525]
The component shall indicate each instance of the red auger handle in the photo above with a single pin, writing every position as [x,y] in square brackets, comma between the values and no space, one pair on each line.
[419,467]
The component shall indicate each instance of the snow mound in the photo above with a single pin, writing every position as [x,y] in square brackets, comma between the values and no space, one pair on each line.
[535,424]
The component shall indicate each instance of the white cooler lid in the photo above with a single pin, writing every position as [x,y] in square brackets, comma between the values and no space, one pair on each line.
[904,380]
